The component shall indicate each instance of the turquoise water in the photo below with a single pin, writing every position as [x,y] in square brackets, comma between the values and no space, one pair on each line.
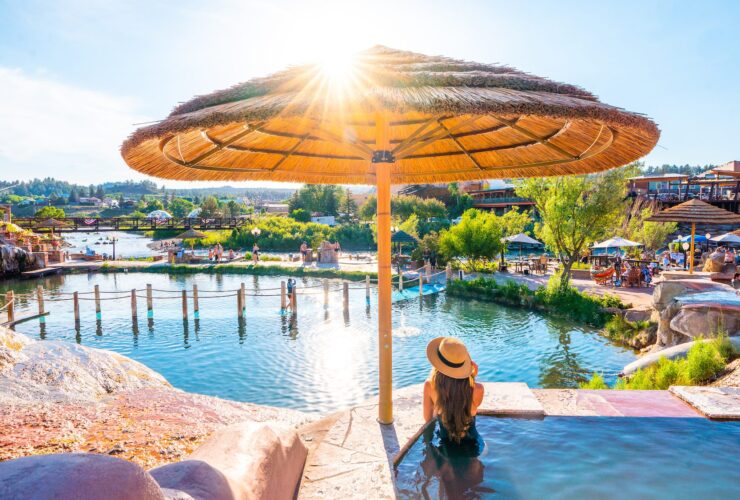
[320,359]
[580,457]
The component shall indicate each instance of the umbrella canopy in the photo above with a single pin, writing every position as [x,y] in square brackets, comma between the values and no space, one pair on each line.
[729,238]
[446,119]
[191,234]
[617,242]
[159,214]
[523,239]
[403,237]
[52,223]
[699,238]
[694,211]
[390,117]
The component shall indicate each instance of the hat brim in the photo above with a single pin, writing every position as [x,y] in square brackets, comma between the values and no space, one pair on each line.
[461,372]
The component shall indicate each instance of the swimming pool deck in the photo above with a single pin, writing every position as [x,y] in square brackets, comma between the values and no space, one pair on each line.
[357,454]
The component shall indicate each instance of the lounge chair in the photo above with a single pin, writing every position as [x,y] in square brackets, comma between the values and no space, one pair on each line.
[602,276]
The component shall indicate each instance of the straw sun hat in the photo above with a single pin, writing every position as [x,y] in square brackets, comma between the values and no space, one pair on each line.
[450,356]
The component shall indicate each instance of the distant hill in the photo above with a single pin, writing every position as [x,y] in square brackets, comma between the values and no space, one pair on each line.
[266,194]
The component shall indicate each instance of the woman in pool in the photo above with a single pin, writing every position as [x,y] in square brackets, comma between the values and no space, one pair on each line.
[451,393]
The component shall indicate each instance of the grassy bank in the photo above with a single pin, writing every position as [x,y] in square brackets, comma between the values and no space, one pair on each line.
[569,303]
[703,362]
[250,269]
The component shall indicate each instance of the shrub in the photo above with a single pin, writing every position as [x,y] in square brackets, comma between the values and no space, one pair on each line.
[596,382]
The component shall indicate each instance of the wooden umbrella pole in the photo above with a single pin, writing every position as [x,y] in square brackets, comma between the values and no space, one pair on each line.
[383,166]
[691,257]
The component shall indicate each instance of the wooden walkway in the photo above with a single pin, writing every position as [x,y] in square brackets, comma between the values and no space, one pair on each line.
[100,224]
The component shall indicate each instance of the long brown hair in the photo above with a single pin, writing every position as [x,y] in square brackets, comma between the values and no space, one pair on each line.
[454,403]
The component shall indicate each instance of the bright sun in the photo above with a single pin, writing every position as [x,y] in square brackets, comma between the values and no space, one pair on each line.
[338,67]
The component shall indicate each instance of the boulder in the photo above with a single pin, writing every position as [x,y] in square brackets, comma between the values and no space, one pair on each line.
[666,291]
[32,370]
[248,460]
[706,319]
[76,476]
[635,315]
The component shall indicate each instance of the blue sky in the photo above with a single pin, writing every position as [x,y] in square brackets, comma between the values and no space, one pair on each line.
[75,76]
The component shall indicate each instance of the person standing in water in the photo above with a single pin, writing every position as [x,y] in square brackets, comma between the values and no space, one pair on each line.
[451,394]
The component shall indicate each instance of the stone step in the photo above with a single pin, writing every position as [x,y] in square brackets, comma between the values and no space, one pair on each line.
[713,402]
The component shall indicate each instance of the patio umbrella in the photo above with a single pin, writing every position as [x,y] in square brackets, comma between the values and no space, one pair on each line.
[694,211]
[729,238]
[390,117]
[191,234]
[52,224]
[521,240]
[617,242]
[402,237]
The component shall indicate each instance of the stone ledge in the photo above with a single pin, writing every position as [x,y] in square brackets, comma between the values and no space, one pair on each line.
[713,402]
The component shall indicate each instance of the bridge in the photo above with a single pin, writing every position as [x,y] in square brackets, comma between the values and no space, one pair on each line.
[99,224]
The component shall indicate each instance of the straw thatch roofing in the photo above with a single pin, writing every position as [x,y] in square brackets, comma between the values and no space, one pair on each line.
[523,239]
[449,120]
[696,211]
[191,234]
[402,237]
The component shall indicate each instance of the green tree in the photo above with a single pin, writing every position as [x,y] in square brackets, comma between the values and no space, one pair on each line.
[347,206]
[50,212]
[180,207]
[300,215]
[459,201]
[210,207]
[576,211]
[514,222]
[73,196]
[152,205]
[402,206]
[636,227]
[476,238]
[410,226]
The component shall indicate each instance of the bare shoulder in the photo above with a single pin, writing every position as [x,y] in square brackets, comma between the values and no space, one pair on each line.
[478,393]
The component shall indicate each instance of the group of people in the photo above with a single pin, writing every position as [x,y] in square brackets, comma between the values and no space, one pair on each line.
[623,268]
[216,253]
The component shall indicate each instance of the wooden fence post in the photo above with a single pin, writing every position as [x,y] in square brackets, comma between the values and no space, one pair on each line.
[400,282]
[421,285]
[149,301]
[367,289]
[97,302]
[134,306]
[283,298]
[196,307]
[428,271]
[239,304]
[294,300]
[345,295]
[243,291]
[184,305]
[10,310]
[40,300]
[326,294]
[76,305]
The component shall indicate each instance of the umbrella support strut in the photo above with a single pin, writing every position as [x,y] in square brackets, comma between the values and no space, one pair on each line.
[383,162]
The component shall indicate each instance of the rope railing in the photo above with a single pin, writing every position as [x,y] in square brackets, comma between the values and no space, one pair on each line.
[150,294]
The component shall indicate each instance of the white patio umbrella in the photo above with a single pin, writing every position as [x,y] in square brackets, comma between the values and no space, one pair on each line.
[727,238]
[520,240]
[617,242]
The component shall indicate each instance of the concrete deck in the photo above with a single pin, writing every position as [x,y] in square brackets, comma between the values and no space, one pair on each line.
[714,402]
[358,455]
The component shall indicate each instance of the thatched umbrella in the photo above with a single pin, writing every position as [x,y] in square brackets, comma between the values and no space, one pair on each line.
[694,211]
[392,117]
[520,240]
[191,234]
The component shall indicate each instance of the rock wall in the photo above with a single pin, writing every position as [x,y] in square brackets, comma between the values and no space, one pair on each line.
[693,308]
[14,260]
[32,370]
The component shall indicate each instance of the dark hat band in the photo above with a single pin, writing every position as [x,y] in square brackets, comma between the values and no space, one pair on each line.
[447,361]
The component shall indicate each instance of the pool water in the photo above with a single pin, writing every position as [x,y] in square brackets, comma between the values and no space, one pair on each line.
[580,457]
[321,359]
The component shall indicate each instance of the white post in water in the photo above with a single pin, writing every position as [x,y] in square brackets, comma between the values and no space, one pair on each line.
[149,301]
[76,306]
[97,301]
[10,310]
[400,281]
[345,295]
[134,311]
[326,294]
[367,289]
[40,300]
[428,271]
[421,285]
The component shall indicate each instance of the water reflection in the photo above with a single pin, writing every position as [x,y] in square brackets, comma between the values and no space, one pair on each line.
[325,359]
